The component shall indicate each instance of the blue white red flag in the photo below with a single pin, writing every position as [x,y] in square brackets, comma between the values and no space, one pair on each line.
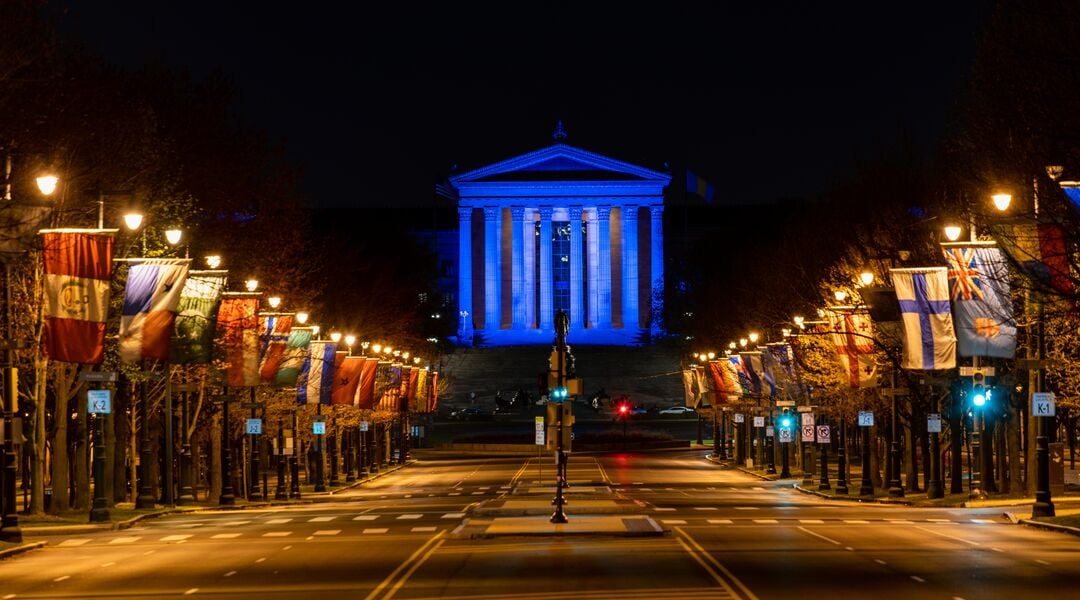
[316,379]
[929,339]
[751,362]
[150,299]
[982,307]
[274,331]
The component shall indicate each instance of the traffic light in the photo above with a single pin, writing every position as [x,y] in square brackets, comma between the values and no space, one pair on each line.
[785,419]
[623,409]
[559,394]
[979,392]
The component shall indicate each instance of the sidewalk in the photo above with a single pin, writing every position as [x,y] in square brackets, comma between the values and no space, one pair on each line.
[124,515]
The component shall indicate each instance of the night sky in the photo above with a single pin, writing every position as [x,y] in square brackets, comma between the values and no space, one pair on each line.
[378,102]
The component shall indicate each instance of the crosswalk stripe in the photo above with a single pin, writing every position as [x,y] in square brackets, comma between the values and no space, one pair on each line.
[422,529]
[453,515]
[720,521]
[321,519]
[277,533]
[403,517]
[234,523]
[327,532]
[174,538]
[124,540]
[278,521]
[376,530]
[224,536]
[365,517]
[73,542]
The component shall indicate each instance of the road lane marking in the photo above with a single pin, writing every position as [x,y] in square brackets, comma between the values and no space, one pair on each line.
[849,548]
[478,493]
[376,530]
[191,591]
[453,515]
[899,521]
[951,537]
[818,535]
[919,579]
[856,522]
[63,578]
[404,517]
[234,523]
[9,596]
[1041,562]
[664,509]
[422,529]
[407,496]
[673,522]
[276,533]
[705,508]
[365,517]
[983,521]
[124,540]
[73,542]
[454,494]
[721,521]
[289,547]
[718,571]
[327,532]
[997,549]
[939,521]
[880,562]
[321,519]
[230,574]
[416,559]
[224,536]
[746,508]
[149,552]
[174,538]
[108,564]
[259,560]
[811,521]
[766,521]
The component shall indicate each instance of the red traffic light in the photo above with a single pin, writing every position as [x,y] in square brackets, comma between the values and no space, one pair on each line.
[624,409]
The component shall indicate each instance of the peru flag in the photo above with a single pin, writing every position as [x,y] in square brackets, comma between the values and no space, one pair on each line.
[78,265]
[150,299]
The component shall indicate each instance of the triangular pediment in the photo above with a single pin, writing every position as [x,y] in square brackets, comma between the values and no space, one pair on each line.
[560,162]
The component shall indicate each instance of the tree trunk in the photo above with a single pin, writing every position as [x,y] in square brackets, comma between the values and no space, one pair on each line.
[60,482]
[37,452]
[82,448]
[912,468]
[1016,482]
[215,458]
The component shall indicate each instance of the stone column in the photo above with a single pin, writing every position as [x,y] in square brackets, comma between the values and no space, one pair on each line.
[577,309]
[517,267]
[603,215]
[529,236]
[631,318]
[547,318]
[656,243]
[593,266]
[465,282]
[492,272]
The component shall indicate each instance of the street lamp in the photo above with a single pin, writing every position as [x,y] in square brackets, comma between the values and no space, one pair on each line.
[349,341]
[251,284]
[335,336]
[213,261]
[274,301]
[302,317]
[952,232]
[1002,201]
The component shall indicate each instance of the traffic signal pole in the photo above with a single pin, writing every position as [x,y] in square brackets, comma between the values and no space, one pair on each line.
[562,327]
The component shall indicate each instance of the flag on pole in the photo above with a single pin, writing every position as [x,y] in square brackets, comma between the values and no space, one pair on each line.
[274,331]
[777,360]
[929,339]
[293,359]
[852,334]
[422,391]
[383,387]
[739,367]
[751,363]
[78,265]
[346,379]
[689,393]
[151,296]
[1040,251]
[698,185]
[365,393]
[315,382]
[196,314]
[433,391]
[238,326]
[982,307]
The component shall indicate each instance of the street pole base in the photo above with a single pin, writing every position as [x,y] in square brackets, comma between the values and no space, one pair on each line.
[1042,509]
[185,499]
[280,495]
[144,502]
[771,470]
[558,516]
[977,494]
[350,478]
[11,533]
[824,486]
[99,515]
[896,491]
[785,474]
[320,487]
[935,491]
[866,491]
[227,499]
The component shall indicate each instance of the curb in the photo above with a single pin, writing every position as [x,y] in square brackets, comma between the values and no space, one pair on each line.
[21,549]
[1049,526]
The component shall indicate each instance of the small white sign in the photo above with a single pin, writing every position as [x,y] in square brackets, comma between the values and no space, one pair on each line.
[759,421]
[808,419]
[807,433]
[785,435]
[1042,404]
[739,418]
[98,402]
[866,418]
[318,427]
[540,431]
[363,426]
[823,434]
[933,423]
[769,432]
[253,427]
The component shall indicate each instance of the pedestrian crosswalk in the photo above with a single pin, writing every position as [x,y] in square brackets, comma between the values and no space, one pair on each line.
[683,521]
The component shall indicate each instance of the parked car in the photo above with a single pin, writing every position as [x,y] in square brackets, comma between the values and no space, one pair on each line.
[678,410]
[471,413]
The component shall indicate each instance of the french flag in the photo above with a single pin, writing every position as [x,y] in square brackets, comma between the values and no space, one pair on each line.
[317,375]
[150,299]
[78,265]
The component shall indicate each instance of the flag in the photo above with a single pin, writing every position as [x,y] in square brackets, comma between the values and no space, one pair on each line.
[394,388]
[707,385]
[316,379]
[383,387]
[293,360]
[768,371]
[365,393]
[929,339]
[78,265]
[751,364]
[414,380]
[982,307]
[1040,252]
[422,391]
[737,365]
[347,371]
[196,314]
[778,358]
[151,296]
[238,326]
[433,394]
[852,335]
[689,393]
[698,185]
[274,331]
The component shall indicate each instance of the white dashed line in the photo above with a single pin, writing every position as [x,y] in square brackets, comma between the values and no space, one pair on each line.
[422,529]
[9,596]
[766,521]
[224,536]
[327,532]
[278,521]
[453,515]
[74,542]
[664,509]
[705,508]
[856,522]
[673,522]
[880,562]
[1041,562]
[407,496]
[406,517]
[376,530]
[997,549]
[124,540]
[899,521]
[365,518]
[259,560]
[454,494]
[939,520]
[59,579]
[191,591]
[321,519]
[289,547]
[811,521]
[149,552]
[108,564]
[720,521]
[983,521]
[276,533]
[230,574]
[234,523]
[174,538]
[746,508]
[849,548]
[919,579]
[477,493]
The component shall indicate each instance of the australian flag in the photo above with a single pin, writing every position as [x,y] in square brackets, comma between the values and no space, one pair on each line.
[982,309]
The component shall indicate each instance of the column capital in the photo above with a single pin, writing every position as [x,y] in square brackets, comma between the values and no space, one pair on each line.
[545,212]
[603,211]
[629,211]
[464,212]
[575,213]
[517,213]
[656,210]
[492,212]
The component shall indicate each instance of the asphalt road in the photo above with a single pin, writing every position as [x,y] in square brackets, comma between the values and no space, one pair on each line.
[726,535]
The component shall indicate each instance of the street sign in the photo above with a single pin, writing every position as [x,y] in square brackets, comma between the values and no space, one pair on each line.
[769,432]
[782,403]
[759,421]
[804,409]
[823,434]
[807,433]
[318,427]
[969,371]
[363,425]
[100,376]
[739,418]
[933,423]
[895,392]
[253,427]
[539,423]
[1034,364]
[185,387]
[319,417]
[866,418]
[1042,404]
[225,397]
[98,402]
[250,405]
[785,435]
[807,419]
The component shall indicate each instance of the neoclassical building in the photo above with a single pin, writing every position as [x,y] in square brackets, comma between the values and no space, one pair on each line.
[565,228]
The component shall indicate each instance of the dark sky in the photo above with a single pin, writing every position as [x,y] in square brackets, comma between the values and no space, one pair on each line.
[767,100]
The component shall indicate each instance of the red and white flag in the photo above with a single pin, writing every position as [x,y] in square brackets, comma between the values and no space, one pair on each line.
[78,265]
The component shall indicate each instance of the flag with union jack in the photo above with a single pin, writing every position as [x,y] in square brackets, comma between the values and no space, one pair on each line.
[982,309]
[853,335]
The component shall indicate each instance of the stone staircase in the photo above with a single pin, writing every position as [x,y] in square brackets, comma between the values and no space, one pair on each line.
[648,375]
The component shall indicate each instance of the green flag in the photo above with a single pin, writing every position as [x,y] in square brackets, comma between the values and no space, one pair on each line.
[193,334]
[296,350]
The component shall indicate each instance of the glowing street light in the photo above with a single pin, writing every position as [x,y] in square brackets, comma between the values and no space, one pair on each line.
[213,261]
[1002,201]
[866,277]
[274,301]
[335,336]
[952,232]
[133,220]
[302,317]
[173,236]
[251,284]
